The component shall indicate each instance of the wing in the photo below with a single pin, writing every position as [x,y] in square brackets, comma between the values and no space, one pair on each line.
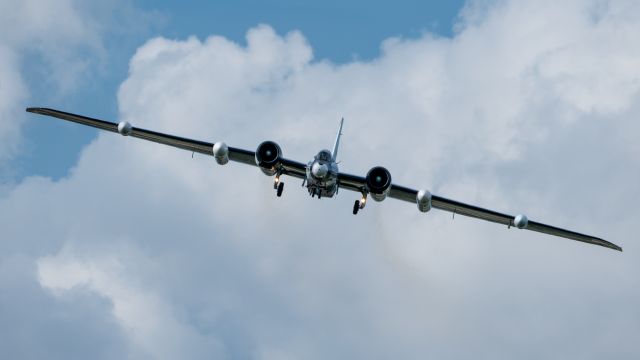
[247,157]
[350,182]
[358,183]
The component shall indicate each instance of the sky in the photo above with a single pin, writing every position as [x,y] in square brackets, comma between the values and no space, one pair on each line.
[116,248]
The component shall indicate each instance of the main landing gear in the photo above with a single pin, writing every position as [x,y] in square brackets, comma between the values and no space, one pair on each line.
[278,185]
[359,204]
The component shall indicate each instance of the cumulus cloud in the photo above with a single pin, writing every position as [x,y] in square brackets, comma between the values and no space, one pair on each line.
[53,31]
[51,47]
[530,106]
[12,91]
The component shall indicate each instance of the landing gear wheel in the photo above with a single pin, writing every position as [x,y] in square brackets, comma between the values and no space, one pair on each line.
[280,188]
[356,207]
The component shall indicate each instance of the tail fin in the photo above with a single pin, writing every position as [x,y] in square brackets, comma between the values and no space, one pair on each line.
[334,154]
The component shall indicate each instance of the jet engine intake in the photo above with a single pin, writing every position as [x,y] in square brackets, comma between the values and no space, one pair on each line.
[268,156]
[378,183]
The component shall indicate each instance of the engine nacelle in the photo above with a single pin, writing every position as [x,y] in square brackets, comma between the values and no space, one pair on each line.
[378,183]
[221,152]
[423,199]
[268,156]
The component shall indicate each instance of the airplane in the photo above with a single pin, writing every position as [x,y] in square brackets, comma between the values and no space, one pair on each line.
[322,177]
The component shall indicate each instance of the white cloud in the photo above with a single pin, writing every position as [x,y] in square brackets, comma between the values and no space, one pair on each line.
[520,110]
[55,32]
[146,318]
[51,48]
[12,92]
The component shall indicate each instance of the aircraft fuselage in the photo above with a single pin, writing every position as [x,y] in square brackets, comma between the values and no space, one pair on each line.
[322,175]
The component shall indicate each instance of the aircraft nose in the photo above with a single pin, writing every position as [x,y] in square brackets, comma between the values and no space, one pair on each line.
[319,170]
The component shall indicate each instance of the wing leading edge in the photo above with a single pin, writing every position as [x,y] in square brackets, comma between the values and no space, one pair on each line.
[358,183]
[290,167]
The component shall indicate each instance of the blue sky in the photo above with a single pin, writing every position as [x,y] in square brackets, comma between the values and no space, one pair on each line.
[117,248]
[338,31]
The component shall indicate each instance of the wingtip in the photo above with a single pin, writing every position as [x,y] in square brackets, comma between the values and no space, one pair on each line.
[612,246]
[36,110]
[41,110]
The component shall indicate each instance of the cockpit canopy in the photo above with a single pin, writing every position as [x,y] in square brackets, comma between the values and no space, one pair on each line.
[324,155]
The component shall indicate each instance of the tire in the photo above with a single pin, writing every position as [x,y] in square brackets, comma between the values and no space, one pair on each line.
[356,207]
[280,188]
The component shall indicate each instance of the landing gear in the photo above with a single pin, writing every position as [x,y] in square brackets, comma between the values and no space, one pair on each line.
[278,185]
[315,191]
[359,204]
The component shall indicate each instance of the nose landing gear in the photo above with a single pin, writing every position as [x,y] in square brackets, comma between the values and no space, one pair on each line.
[315,191]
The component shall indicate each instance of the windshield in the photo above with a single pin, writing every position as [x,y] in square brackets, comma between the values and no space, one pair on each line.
[324,155]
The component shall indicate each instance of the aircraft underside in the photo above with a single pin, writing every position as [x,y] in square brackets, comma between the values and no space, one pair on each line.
[321,190]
